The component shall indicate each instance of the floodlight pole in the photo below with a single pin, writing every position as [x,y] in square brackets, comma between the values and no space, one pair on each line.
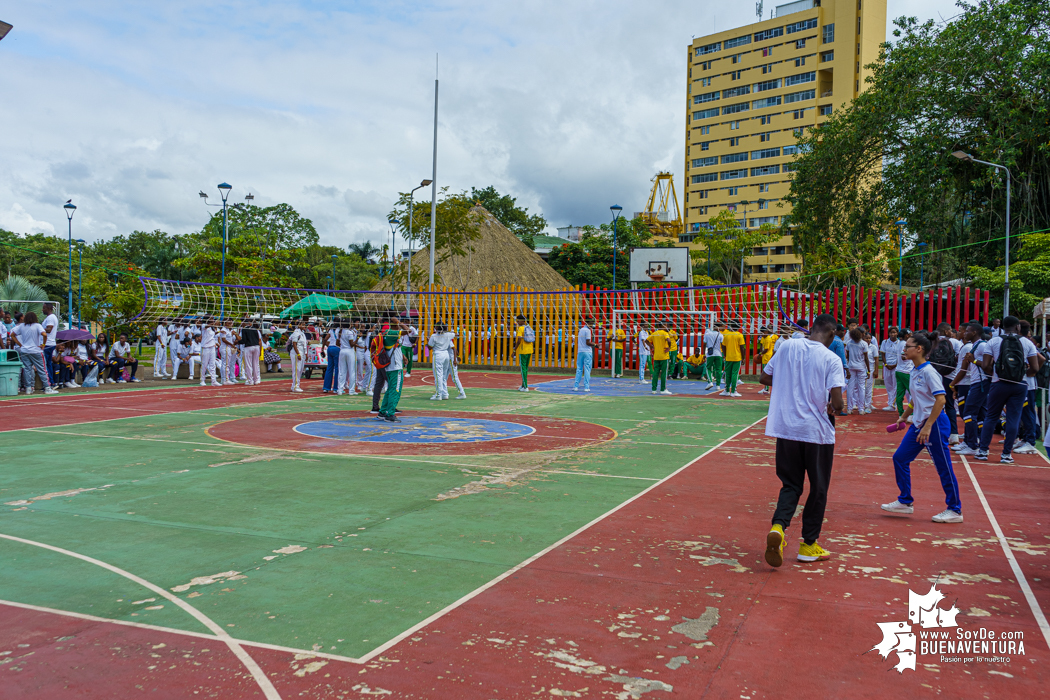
[80,281]
[433,179]
[70,210]
[411,207]
[615,209]
[961,155]
[900,270]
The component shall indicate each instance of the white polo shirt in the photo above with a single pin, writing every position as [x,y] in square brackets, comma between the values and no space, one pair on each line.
[51,322]
[925,385]
[804,373]
[583,341]
[892,352]
[713,343]
[992,348]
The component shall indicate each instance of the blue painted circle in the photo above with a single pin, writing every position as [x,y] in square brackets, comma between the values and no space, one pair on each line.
[415,430]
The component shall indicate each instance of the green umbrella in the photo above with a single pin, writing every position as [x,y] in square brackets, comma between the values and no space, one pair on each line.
[316,304]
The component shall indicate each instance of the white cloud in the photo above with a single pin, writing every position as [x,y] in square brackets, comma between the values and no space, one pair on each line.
[131,108]
[18,219]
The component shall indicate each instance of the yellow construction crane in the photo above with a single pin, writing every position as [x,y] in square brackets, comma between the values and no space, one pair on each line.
[661,211]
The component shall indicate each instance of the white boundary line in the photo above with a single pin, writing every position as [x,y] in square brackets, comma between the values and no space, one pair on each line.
[1037,611]
[257,673]
[481,589]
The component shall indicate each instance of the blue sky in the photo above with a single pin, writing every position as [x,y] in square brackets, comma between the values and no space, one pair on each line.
[131,108]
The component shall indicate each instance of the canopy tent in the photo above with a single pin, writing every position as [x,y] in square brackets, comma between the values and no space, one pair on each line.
[316,304]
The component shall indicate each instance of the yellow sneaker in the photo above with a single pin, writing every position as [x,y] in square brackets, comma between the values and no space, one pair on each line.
[812,552]
[775,546]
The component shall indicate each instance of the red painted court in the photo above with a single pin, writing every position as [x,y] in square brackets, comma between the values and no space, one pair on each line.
[665,596]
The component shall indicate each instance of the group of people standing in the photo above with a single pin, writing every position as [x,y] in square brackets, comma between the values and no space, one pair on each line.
[227,352]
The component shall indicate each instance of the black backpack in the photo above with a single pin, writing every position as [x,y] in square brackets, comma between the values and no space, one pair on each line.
[152,337]
[943,357]
[1011,364]
[1042,377]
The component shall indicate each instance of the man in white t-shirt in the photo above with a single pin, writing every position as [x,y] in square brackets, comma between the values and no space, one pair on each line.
[809,380]
[713,340]
[1009,391]
[408,347]
[209,352]
[643,352]
[969,386]
[364,363]
[452,369]
[347,359]
[439,343]
[890,354]
[584,356]
[160,350]
[903,372]
[1029,431]
[51,327]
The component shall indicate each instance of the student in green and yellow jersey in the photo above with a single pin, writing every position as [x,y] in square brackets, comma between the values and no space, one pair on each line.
[672,351]
[733,347]
[659,342]
[524,337]
[616,340]
[769,342]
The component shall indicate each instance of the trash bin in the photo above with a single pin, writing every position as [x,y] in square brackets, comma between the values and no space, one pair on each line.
[10,368]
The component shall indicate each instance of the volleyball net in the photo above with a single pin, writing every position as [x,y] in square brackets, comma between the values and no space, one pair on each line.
[485,320]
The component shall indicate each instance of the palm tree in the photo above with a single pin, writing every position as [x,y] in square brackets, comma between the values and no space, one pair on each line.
[366,251]
[16,292]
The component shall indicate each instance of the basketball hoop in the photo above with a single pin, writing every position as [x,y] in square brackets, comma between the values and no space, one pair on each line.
[658,269]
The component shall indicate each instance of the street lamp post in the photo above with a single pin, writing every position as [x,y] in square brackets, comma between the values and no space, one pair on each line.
[224,192]
[900,224]
[962,155]
[921,251]
[80,280]
[615,209]
[745,203]
[70,209]
[393,223]
[411,207]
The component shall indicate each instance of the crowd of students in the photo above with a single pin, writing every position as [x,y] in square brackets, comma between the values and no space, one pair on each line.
[58,363]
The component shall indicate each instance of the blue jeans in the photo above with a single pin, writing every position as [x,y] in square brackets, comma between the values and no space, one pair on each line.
[937,446]
[1029,420]
[331,373]
[583,369]
[973,413]
[1011,396]
[49,364]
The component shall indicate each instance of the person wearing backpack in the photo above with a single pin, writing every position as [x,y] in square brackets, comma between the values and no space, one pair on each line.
[1029,417]
[971,387]
[395,365]
[523,342]
[1010,359]
[945,359]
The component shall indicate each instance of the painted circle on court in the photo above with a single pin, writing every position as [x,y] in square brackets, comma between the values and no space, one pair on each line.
[417,430]
[356,432]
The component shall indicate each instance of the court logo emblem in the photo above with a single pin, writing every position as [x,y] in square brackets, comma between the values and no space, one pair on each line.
[932,630]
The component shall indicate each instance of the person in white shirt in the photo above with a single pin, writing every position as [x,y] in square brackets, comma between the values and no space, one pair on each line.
[928,430]
[160,350]
[808,379]
[967,385]
[946,335]
[195,355]
[364,363]
[297,350]
[713,341]
[408,346]
[643,352]
[1029,430]
[1010,391]
[889,353]
[51,327]
[181,349]
[347,358]
[209,347]
[29,338]
[227,352]
[439,344]
[584,356]
[903,371]
[121,353]
[857,369]
[452,369]
[331,343]
[997,329]
[873,369]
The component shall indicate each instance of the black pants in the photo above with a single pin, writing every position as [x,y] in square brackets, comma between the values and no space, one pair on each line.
[796,460]
[949,404]
[377,391]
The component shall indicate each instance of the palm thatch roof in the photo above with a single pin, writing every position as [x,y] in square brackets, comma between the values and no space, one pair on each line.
[496,257]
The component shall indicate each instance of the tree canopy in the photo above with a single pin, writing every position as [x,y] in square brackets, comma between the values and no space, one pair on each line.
[591,260]
[522,224]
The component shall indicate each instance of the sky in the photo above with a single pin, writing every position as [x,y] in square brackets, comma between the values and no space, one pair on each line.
[131,108]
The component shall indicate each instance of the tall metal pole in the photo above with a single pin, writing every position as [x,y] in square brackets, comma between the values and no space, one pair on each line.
[80,283]
[70,287]
[1006,285]
[434,178]
[408,280]
[222,289]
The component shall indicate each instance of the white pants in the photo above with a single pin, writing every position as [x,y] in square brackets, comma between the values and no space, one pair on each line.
[363,366]
[174,357]
[855,389]
[642,359]
[452,370]
[194,360]
[347,371]
[298,365]
[250,364]
[160,360]
[889,378]
[441,374]
[208,365]
[176,362]
[869,387]
[226,366]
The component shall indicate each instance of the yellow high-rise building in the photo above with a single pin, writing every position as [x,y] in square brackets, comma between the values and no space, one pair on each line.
[750,90]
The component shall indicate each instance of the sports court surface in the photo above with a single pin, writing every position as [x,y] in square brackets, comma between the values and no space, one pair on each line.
[248,543]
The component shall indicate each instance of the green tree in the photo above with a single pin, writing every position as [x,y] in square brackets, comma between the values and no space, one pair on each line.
[591,260]
[976,84]
[522,224]
[1029,277]
[728,243]
[456,231]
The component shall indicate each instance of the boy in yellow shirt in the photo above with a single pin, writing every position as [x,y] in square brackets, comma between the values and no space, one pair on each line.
[672,351]
[768,346]
[524,337]
[659,342]
[733,347]
[616,340]
[695,364]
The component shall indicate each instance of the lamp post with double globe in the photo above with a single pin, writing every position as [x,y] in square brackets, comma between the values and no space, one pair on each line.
[224,192]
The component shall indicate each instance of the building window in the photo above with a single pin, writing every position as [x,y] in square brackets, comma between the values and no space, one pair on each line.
[828,33]
[706,177]
[800,44]
[798,113]
[738,107]
[736,92]
[736,58]
[705,97]
[738,41]
[858,26]
[802,26]
[768,85]
[765,120]
[705,130]
[735,141]
[734,174]
[702,194]
[705,82]
[800,78]
[767,102]
[704,145]
[732,193]
[702,211]
[706,65]
[764,204]
[734,125]
[827,56]
[709,48]
[764,136]
[825,110]
[706,113]
[800,61]
[765,170]
[704,162]
[734,75]
[800,96]
[764,187]
[764,153]
[769,34]
[792,150]
[734,158]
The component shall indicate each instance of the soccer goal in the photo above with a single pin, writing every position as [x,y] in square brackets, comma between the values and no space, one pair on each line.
[690,325]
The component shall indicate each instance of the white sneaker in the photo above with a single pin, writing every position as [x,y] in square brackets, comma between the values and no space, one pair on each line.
[522,388]
[407,376]
[1025,449]
[965,450]
[722,393]
[736,394]
[898,507]
[710,385]
[1018,444]
[29,391]
[114,381]
[953,439]
[948,516]
[665,392]
[203,384]
[890,408]
[135,379]
[642,381]
[576,388]
[587,390]
[48,390]
[462,396]
[655,393]
[297,390]
[435,398]
[111,381]
[70,385]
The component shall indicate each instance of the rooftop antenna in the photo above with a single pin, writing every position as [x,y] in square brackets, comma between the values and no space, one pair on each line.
[758,10]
